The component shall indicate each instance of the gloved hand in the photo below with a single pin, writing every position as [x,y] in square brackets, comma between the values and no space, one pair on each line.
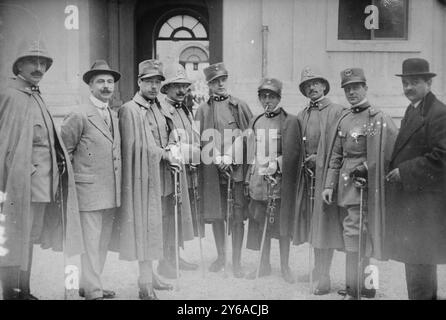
[174,156]
[223,162]
[359,172]
[310,161]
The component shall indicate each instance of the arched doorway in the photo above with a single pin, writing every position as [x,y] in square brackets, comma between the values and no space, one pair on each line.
[181,31]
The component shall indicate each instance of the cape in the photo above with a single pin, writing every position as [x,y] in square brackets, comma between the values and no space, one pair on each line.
[60,231]
[323,229]
[381,136]
[291,166]
[209,183]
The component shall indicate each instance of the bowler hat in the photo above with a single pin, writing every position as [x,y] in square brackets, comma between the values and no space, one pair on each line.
[100,67]
[416,67]
[352,75]
[271,84]
[151,68]
[175,73]
[308,74]
[214,71]
[33,49]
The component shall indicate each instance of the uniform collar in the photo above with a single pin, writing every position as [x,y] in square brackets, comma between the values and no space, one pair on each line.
[21,84]
[359,107]
[320,103]
[219,98]
[139,99]
[273,113]
[173,103]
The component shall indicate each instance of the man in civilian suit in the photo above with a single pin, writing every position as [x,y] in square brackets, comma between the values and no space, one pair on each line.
[91,134]
[416,221]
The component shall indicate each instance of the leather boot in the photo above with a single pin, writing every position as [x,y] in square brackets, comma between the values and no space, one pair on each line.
[351,276]
[9,277]
[265,265]
[158,284]
[146,292]
[238,231]
[366,293]
[24,279]
[218,229]
[324,263]
[284,244]
[165,267]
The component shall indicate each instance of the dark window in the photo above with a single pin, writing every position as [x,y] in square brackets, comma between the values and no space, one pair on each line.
[373,19]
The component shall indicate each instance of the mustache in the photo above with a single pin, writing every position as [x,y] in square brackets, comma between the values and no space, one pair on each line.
[36,74]
[105,91]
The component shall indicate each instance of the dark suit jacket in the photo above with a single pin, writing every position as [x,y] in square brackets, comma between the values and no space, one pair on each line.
[96,157]
[416,216]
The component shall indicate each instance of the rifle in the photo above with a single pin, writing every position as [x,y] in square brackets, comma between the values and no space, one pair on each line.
[196,199]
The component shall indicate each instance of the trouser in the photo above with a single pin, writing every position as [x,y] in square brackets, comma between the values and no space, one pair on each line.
[351,228]
[284,247]
[236,224]
[97,229]
[421,281]
[14,280]
[322,263]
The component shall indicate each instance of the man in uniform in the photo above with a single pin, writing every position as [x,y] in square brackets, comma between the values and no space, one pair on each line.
[275,143]
[187,139]
[416,216]
[358,161]
[223,112]
[317,120]
[34,170]
[140,222]
[91,134]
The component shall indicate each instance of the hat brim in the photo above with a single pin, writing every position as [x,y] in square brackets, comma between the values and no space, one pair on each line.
[163,89]
[327,85]
[425,74]
[152,75]
[217,76]
[270,89]
[352,81]
[15,69]
[90,73]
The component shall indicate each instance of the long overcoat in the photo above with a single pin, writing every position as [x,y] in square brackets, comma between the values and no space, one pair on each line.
[209,182]
[16,132]
[324,227]
[416,231]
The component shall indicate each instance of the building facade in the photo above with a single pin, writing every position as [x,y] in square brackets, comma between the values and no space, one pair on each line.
[254,38]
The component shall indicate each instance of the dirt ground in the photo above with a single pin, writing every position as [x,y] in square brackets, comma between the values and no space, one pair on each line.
[120,276]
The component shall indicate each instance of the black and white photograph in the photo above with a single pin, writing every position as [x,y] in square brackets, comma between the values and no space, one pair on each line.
[222,150]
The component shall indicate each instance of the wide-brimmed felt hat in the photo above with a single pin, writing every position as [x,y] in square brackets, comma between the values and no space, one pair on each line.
[416,67]
[308,74]
[100,67]
[215,71]
[175,73]
[352,75]
[151,68]
[34,49]
[271,84]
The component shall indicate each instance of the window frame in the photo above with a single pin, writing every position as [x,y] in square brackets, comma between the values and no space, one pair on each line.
[413,43]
